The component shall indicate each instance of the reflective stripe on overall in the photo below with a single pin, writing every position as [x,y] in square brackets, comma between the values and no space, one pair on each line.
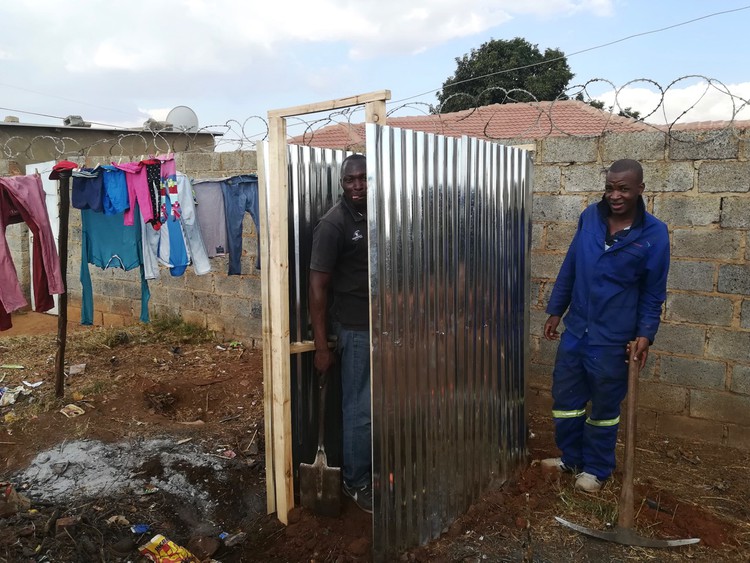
[584,373]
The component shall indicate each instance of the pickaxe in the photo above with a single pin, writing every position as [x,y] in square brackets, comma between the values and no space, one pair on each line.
[624,532]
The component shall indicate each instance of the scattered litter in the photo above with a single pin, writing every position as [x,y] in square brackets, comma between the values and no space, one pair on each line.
[8,395]
[119,519]
[77,395]
[10,417]
[11,366]
[11,502]
[32,385]
[234,539]
[183,441]
[161,550]
[72,411]
[148,489]
[234,344]
[220,347]
[193,423]
[77,369]
[140,528]
[229,454]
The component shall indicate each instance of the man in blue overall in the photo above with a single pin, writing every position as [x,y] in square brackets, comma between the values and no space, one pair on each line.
[339,262]
[612,283]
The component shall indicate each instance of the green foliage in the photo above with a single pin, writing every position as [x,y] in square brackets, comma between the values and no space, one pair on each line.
[480,79]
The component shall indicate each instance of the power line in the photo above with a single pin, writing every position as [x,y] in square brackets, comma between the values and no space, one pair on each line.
[581,51]
[63,98]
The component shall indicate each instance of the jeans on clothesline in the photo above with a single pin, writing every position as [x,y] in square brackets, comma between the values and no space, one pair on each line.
[240,197]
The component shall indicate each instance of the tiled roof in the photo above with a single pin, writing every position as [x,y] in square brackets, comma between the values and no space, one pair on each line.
[498,121]
[535,120]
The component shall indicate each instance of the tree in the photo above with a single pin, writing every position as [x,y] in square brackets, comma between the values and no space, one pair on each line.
[480,78]
[627,112]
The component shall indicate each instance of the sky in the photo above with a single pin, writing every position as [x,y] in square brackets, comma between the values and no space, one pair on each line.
[231,61]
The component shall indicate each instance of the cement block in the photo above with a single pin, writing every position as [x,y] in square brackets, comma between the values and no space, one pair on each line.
[680,426]
[745,314]
[545,352]
[231,161]
[557,208]
[734,278]
[560,235]
[547,178]
[206,302]
[741,379]
[668,176]
[537,318]
[680,339]
[703,145]
[729,344]
[540,376]
[639,146]
[695,276]
[198,162]
[197,318]
[699,309]
[249,161]
[546,266]
[537,232]
[679,211]
[734,212]
[179,299]
[721,406]
[583,178]
[724,177]
[256,309]
[662,397]
[235,306]
[693,372]
[718,244]
[569,149]
[738,436]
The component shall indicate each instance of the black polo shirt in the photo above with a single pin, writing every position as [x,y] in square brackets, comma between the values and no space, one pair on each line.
[340,248]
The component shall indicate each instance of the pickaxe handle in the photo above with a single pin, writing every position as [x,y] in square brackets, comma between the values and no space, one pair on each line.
[625,509]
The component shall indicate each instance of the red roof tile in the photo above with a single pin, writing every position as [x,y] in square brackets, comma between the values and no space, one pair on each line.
[498,121]
[536,120]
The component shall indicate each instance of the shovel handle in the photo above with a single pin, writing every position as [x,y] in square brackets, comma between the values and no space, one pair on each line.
[625,509]
[322,377]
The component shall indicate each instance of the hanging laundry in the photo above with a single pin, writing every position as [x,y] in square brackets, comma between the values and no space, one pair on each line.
[191,226]
[107,242]
[211,217]
[240,197]
[22,200]
[88,189]
[115,190]
[138,192]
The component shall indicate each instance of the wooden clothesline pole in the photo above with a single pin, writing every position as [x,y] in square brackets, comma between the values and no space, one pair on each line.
[62,318]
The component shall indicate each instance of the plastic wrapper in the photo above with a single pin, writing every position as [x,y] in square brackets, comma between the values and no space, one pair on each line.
[161,550]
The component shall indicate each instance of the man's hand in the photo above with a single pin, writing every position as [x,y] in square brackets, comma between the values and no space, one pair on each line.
[550,328]
[324,359]
[641,351]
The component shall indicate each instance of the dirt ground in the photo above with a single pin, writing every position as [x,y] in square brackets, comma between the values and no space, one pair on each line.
[171,439]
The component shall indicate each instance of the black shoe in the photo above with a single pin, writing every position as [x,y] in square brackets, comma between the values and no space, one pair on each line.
[362,496]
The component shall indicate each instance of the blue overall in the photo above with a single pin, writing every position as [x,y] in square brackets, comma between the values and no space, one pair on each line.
[611,296]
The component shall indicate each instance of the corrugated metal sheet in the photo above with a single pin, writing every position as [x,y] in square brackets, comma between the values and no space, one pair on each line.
[449,224]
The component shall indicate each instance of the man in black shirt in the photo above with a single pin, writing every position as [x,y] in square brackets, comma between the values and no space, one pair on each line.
[340,262]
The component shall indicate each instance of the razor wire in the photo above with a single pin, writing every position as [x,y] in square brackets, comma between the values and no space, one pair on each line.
[244,134]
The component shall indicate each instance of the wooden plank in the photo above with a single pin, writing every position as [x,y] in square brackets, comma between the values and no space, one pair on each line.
[278,302]
[266,326]
[375,112]
[380,95]
[306,346]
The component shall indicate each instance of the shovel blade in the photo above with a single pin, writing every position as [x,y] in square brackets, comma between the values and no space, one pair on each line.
[625,536]
[320,486]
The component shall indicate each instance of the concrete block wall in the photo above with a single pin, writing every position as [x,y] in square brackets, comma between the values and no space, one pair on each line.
[696,383]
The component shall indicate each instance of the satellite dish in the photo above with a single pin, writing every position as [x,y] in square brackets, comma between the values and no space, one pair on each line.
[183,118]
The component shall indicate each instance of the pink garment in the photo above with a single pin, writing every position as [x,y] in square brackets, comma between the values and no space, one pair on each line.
[22,199]
[137,192]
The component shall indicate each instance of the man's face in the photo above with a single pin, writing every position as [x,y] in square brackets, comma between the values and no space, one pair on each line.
[621,191]
[354,183]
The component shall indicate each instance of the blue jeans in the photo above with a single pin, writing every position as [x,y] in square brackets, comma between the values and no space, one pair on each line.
[584,373]
[354,348]
[240,197]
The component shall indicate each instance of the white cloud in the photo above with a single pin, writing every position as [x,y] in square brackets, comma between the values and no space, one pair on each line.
[700,101]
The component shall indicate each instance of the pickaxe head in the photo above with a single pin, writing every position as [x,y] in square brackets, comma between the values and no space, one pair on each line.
[626,536]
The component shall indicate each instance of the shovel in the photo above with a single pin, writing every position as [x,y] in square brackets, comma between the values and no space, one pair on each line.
[624,533]
[320,485]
